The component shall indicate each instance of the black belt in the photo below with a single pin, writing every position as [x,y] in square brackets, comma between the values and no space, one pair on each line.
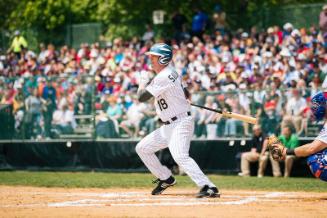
[175,118]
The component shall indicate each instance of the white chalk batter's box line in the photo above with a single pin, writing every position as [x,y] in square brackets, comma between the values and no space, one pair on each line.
[179,194]
[139,199]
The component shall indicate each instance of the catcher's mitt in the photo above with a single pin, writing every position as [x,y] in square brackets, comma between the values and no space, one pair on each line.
[276,148]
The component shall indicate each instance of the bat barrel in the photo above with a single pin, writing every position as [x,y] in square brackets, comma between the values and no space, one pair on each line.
[244,118]
[241,117]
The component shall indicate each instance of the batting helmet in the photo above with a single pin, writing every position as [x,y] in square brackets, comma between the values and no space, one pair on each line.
[318,164]
[318,105]
[162,50]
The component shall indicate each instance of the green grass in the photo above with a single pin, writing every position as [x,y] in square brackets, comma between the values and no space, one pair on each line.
[139,180]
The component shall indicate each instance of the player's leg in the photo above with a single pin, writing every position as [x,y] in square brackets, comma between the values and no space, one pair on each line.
[275,167]
[179,146]
[288,165]
[146,149]
[263,160]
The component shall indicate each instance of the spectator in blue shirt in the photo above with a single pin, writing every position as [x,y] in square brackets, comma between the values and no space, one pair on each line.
[199,23]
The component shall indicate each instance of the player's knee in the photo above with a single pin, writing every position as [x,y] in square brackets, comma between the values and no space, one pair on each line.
[139,148]
[244,155]
[263,158]
[181,159]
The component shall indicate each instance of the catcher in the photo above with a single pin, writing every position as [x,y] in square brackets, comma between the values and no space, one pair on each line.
[316,150]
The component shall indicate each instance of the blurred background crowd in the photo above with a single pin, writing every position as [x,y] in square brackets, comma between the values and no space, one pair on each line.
[269,73]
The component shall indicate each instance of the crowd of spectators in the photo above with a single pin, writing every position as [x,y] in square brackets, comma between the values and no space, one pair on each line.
[269,73]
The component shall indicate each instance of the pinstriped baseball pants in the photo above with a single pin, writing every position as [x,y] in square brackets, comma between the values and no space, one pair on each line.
[176,136]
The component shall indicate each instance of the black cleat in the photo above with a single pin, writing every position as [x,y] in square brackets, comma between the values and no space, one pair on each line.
[210,192]
[162,185]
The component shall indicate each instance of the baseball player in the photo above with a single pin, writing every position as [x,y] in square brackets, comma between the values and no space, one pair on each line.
[316,150]
[173,109]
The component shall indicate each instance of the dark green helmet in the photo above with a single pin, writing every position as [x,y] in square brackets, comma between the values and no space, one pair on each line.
[163,50]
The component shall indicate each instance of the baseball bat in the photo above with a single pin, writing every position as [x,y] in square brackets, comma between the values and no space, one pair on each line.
[228,114]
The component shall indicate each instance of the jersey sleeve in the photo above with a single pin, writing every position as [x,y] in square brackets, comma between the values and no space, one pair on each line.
[322,135]
[159,85]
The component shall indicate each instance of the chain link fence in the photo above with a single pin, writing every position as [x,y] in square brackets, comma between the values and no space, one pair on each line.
[73,108]
[301,15]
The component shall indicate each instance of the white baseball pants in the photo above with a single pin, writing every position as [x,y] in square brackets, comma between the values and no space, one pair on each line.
[176,136]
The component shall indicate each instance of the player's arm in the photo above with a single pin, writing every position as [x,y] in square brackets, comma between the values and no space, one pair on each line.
[279,151]
[308,149]
[186,93]
[144,95]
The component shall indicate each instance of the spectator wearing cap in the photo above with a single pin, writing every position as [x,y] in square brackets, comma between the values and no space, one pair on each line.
[323,20]
[42,55]
[18,44]
[295,41]
[49,96]
[288,28]
[108,87]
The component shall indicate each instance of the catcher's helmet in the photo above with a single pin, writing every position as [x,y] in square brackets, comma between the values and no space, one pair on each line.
[318,105]
[318,164]
[162,50]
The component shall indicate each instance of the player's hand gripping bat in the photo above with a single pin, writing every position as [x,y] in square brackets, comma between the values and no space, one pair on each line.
[228,114]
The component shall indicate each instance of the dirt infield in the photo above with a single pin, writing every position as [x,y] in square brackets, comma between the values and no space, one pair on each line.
[61,202]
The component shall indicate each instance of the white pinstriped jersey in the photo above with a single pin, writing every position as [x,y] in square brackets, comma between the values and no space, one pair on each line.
[169,95]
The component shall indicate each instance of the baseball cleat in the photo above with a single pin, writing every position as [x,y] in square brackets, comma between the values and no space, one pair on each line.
[210,192]
[162,185]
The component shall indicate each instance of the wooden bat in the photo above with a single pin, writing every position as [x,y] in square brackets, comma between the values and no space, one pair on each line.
[244,118]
